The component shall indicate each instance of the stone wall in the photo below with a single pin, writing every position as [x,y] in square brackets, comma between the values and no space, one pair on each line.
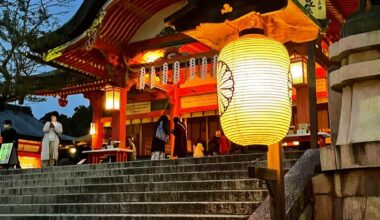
[353,194]
[349,187]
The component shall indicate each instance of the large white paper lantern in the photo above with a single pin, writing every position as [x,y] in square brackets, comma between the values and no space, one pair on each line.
[254,90]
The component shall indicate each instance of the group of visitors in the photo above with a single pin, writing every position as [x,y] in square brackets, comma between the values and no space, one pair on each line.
[217,146]
[50,142]
[161,138]
[53,129]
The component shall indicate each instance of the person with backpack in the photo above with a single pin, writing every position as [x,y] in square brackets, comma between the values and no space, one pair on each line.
[160,138]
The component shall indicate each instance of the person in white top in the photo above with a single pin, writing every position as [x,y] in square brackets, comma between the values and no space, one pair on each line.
[50,142]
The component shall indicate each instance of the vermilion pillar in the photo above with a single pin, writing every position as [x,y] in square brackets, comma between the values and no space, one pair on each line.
[96,100]
[119,119]
[175,111]
[303,105]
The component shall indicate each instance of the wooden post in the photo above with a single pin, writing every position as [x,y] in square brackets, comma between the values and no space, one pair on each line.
[277,200]
[119,119]
[96,100]
[207,131]
[175,108]
[303,105]
[312,95]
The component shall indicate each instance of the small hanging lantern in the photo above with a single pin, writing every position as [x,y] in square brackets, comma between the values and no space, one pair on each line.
[204,68]
[152,77]
[253,90]
[92,129]
[192,68]
[298,68]
[62,101]
[165,73]
[176,71]
[142,78]
[214,65]
[112,98]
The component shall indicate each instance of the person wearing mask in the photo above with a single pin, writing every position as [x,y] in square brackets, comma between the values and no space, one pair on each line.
[160,138]
[10,135]
[52,129]
[180,144]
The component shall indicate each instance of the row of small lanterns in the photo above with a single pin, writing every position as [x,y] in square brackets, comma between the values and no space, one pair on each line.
[176,67]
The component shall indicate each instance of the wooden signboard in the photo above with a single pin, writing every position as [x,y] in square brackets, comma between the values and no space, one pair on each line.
[138,108]
[5,153]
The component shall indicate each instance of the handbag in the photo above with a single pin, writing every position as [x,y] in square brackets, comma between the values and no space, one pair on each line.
[160,133]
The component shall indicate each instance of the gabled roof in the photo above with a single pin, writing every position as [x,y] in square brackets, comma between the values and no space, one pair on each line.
[54,81]
[27,126]
[78,24]
[98,33]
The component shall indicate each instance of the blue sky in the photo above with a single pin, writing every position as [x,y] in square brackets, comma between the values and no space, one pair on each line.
[40,109]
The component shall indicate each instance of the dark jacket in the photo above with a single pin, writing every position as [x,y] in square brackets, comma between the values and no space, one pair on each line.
[157,144]
[180,148]
[10,136]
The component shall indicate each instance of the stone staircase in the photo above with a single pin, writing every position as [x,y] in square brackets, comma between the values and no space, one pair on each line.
[208,188]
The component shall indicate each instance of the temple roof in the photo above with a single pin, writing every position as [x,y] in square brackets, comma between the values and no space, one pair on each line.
[78,24]
[105,35]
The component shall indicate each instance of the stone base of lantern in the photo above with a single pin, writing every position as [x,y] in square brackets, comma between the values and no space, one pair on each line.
[349,186]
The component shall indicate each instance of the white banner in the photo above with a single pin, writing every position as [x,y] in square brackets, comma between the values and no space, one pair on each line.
[317,8]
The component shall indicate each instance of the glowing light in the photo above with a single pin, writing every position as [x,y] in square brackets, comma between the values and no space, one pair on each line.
[112,99]
[296,143]
[92,129]
[152,56]
[298,68]
[254,90]
[72,150]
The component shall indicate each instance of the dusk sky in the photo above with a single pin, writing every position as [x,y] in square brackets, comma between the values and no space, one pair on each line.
[40,109]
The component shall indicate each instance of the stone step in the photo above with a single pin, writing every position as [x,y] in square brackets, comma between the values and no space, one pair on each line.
[145,163]
[243,208]
[159,177]
[203,185]
[139,170]
[121,217]
[163,196]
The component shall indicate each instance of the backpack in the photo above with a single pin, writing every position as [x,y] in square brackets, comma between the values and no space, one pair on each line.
[160,133]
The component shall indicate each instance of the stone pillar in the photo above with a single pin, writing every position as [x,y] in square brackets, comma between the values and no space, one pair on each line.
[353,161]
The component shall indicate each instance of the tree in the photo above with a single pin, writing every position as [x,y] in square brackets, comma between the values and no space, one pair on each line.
[77,125]
[81,120]
[22,22]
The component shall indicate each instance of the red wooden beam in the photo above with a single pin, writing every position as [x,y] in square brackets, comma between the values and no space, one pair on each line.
[199,109]
[159,42]
[106,47]
[196,90]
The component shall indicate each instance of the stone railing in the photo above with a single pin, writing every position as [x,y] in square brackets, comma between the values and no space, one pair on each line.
[297,188]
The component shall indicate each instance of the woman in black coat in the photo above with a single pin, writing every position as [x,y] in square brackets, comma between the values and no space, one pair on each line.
[160,138]
[180,145]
